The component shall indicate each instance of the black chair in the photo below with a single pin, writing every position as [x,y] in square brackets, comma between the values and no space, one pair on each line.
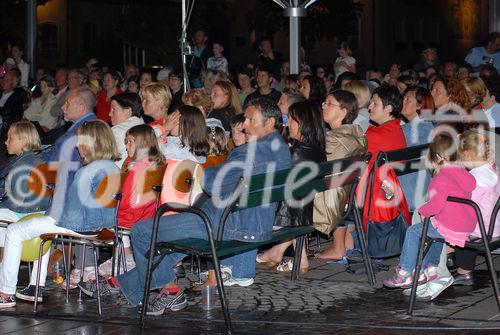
[484,244]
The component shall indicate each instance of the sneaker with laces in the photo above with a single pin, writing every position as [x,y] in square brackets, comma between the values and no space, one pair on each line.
[28,293]
[403,279]
[243,282]
[106,287]
[74,278]
[165,302]
[105,268]
[7,301]
[226,273]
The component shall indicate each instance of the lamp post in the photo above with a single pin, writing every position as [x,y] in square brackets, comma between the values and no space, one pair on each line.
[294,10]
[31,22]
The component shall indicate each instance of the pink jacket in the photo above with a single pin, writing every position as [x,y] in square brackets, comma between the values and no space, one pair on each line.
[453,220]
[486,195]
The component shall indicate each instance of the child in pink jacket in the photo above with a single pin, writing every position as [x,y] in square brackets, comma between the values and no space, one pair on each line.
[452,221]
[475,155]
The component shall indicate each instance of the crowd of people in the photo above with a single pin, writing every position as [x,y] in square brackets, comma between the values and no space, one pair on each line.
[93,122]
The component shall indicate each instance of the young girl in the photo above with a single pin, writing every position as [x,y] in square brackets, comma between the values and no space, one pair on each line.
[218,62]
[452,221]
[136,204]
[22,142]
[82,211]
[217,139]
[345,62]
[475,154]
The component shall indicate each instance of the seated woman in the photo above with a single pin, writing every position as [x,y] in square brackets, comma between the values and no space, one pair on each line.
[186,136]
[39,109]
[417,105]
[82,212]
[156,99]
[22,142]
[136,204]
[124,114]
[307,135]
[226,103]
[345,139]
[385,203]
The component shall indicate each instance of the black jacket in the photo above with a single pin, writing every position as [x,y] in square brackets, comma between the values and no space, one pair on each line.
[13,109]
[302,215]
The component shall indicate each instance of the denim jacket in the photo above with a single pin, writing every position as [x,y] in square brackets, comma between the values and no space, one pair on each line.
[14,184]
[65,151]
[81,211]
[266,155]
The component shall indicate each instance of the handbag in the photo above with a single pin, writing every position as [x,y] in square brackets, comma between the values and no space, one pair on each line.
[384,239]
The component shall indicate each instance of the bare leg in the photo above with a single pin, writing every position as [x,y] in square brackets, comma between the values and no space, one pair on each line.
[349,240]
[304,262]
[275,254]
[338,247]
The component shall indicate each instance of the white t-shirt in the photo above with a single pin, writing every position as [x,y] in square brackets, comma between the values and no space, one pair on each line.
[341,69]
[485,175]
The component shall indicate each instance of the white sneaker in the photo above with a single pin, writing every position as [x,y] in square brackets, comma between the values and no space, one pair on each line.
[105,268]
[226,273]
[243,282]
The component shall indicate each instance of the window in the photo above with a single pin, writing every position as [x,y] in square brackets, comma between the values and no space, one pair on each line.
[48,37]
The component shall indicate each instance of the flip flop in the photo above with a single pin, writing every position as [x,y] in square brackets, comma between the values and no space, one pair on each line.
[265,264]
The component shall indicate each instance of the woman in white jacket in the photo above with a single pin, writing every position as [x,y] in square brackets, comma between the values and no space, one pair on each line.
[39,109]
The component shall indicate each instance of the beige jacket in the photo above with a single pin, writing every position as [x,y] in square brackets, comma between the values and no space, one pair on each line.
[346,141]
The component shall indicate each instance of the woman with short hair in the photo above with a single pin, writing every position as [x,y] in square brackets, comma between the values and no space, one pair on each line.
[125,113]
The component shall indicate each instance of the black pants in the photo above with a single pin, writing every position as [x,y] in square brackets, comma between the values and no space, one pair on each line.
[466,258]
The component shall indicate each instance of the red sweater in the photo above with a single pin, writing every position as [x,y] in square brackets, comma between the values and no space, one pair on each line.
[386,137]
[136,205]
[103,105]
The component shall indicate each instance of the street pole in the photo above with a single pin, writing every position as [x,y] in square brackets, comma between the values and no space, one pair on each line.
[294,10]
[184,45]
[31,36]
[294,14]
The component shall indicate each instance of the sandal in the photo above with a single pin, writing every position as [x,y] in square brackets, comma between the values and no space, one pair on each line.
[262,263]
[287,267]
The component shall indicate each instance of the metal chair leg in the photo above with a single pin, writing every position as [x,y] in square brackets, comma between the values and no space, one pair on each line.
[220,287]
[298,257]
[418,266]
[68,277]
[39,268]
[82,270]
[99,307]
[362,242]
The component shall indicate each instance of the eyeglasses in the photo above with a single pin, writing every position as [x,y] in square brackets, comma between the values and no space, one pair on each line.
[330,104]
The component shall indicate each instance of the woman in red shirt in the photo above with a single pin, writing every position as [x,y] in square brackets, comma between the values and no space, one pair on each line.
[384,134]
[110,89]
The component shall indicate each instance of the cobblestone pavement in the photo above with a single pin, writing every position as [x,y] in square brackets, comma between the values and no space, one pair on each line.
[327,300]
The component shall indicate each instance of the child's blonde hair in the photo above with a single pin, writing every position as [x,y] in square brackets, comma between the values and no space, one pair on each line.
[442,149]
[96,141]
[26,130]
[145,144]
[477,143]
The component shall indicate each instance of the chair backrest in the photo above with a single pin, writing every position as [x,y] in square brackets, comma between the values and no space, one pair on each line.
[42,180]
[178,182]
[108,187]
[312,178]
[404,161]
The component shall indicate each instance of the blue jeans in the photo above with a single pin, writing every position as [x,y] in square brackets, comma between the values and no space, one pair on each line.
[409,254]
[172,227]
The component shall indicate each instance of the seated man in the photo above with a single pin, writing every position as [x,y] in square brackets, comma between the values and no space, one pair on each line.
[265,152]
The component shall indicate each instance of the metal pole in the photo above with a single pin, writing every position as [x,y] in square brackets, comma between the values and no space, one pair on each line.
[31,36]
[295,13]
[184,45]
[143,57]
